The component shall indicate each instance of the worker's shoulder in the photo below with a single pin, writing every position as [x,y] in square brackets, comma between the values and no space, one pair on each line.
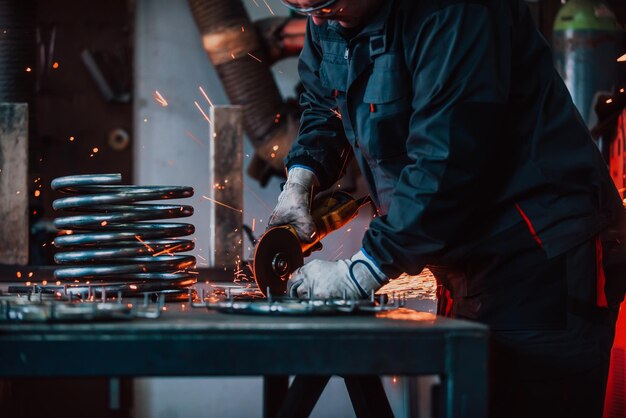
[425,8]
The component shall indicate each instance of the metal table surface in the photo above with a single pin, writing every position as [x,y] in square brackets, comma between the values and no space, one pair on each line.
[203,343]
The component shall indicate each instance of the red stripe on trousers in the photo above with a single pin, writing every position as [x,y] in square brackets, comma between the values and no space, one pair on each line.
[530,226]
[600,277]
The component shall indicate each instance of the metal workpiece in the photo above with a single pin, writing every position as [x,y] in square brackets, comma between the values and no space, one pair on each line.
[109,246]
[56,304]
[226,187]
[268,304]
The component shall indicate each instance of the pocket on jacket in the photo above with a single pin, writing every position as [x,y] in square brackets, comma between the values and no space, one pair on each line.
[388,99]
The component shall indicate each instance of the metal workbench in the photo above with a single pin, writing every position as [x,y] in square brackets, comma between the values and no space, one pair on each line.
[203,343]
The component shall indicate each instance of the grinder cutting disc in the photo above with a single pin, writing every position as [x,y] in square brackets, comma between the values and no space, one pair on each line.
[278,253]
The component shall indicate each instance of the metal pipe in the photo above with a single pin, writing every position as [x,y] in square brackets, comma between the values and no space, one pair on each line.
[242,63]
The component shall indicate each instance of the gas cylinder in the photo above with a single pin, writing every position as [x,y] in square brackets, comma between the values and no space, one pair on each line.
[587,41]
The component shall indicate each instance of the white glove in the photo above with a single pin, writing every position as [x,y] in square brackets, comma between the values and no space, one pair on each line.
[353,278]
[294,203]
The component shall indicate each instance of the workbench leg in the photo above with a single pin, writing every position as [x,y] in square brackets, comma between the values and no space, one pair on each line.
[368,397]
[274,393]
[464,387]
[302,396]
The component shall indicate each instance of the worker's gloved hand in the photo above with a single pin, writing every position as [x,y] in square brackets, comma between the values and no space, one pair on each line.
[294,204]
[355,278]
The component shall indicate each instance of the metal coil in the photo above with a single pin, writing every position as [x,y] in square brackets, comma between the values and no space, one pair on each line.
[108,244]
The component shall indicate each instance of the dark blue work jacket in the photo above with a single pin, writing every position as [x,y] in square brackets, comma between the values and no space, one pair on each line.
[460,125]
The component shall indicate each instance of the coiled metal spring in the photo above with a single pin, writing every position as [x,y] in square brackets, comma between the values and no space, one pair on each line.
[108,247]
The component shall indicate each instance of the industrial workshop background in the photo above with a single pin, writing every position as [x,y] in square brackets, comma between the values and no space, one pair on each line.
[125,86]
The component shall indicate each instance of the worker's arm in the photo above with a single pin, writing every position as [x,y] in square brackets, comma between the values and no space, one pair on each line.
[321,145]
[460,75]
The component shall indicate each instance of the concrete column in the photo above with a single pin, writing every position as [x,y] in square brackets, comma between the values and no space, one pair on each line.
[13,183]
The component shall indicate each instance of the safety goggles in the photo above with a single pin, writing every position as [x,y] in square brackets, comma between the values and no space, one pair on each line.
[323,9]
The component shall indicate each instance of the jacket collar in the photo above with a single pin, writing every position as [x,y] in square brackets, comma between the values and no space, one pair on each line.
[376,23]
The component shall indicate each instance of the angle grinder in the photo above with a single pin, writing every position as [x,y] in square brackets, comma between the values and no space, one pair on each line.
[279,251]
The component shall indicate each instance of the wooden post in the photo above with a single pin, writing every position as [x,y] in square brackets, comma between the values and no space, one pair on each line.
[13,183]
[226,186]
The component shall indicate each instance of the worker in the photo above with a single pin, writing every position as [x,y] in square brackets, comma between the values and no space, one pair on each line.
[479,166]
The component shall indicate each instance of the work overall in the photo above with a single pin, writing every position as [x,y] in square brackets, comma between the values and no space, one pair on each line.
[481,167]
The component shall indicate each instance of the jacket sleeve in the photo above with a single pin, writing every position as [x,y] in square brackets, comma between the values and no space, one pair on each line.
[321,143]
[459,66]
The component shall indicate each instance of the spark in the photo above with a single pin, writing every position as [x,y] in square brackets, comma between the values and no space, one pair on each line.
[205,96]
[103,223]
[45,282]
[138,238]
[609,101]
[203,114]
[199,256]
[95,150]
[256,196]
[343,167]
[58,282]
[232,55]
[133,286]
[622,58]
[145,120]
[37,193]
[158,97]
[621,90]
[394,379]
[19,274]
[254,56]
[243,29]
[28,69]
[338,252]
[253,223]
[336,113]
[30,274]
[71,139]
[275,147]
[192,136]
[268,7]
[167,250]
[222,204]
[55,65]
[253,1]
